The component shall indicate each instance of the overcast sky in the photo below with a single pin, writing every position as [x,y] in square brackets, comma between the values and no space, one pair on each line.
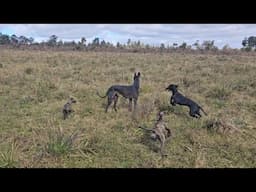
[231,34]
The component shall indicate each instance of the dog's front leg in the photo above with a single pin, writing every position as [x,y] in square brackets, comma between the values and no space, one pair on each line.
[172,102]
[135,104]
[161,138]
[130,104]
[162,149]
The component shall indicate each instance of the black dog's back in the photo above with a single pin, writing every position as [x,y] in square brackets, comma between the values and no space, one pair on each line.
[182,100]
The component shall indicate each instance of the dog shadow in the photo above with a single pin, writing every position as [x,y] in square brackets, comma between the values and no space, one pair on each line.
[177,111]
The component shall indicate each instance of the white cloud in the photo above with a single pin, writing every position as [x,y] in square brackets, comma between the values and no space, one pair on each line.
[231,34]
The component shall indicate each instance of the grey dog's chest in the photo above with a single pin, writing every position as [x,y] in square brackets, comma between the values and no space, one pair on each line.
[160,128]
[67,106]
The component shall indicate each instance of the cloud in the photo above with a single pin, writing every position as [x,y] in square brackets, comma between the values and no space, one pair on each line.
[231,34]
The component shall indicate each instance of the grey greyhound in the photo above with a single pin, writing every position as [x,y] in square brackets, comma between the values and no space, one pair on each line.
[160,131]
[130,92]
[178,98]
[67,109]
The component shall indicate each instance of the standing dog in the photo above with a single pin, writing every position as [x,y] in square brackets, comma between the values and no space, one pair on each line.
[67,109]
[130,92]
[160,131]
[178,98]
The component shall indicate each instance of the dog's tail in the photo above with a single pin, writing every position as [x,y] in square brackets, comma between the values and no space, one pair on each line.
[203,111]
[146,128]
[100,95]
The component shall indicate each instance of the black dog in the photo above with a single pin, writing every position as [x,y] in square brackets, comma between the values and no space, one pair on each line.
[130,92]
[178,98]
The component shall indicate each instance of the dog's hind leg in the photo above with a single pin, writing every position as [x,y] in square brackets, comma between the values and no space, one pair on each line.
[115,101]
[162,147]
[65,114]
[192,114]
[108,104]
[199,115]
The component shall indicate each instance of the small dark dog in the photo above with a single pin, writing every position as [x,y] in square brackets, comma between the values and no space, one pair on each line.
[160,131]
[67,109]
[178,98]
[130,92]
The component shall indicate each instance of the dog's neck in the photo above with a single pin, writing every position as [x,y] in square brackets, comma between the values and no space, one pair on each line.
[136,83]
[174,91]
[69,103]
[160,118]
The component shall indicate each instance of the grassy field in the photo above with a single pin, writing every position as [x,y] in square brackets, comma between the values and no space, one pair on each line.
[35,85]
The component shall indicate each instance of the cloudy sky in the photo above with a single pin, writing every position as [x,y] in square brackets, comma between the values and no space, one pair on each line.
[231,34]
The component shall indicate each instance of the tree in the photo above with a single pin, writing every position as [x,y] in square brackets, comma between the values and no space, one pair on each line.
[196,44]
[209,45]
[4,39]
[60,43]
[30,40]
[226,47]
[245,42]
[52,40]
[23,40]
[96,41]
[162,46]
[252,41]
[14,39]
[81,44]
[249,43]
[103,43]
[175,45]
[138,44]
[183,45]
[188,47]
[83,41]
[129,42]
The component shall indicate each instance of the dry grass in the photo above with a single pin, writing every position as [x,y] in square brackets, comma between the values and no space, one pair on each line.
[35,85]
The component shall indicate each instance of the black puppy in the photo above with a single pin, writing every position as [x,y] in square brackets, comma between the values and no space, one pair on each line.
[178,98]
[67,109]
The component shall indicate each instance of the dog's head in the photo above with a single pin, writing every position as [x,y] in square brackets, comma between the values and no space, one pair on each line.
[172,87]
[160,115]
[153,136]
[72,100]
[136,76]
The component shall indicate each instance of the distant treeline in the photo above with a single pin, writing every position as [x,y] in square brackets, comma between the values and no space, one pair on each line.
[53,43]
